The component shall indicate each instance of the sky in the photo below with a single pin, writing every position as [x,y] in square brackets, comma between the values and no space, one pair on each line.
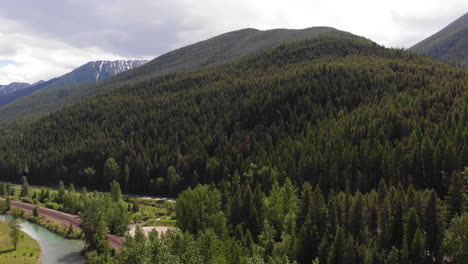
[42,39]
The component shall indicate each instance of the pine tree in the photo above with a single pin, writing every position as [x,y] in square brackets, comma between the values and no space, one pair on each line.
[249,244]
[259,211]
[456,239]
[418,249]
[8,203]
[396,223]
[116,193]
[2,189]
[456,193]
[412,224]
[304,203]
[36,211]
[426,162]
[126,176]
[355,215]
[111,171]
[336,253]
[433,225]
[25,187]
[135,207]
[61,192]
[236,208]
[15,229]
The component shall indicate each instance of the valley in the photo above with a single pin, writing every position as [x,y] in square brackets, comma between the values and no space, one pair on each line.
[276,146]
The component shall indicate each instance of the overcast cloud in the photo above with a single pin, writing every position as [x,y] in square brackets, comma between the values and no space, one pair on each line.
[44,39]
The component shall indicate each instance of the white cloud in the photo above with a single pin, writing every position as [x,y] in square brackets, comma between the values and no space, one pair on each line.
[399,23]
[37,58]
[49,38]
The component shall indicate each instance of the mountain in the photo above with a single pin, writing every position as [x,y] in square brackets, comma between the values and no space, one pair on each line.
[12,87]
[226,47]
[91,72]
[95,71]
[342,112]
[449,44]
[16,94]
[328,149]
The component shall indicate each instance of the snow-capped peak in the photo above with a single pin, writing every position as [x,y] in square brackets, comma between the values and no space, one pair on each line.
[12,87]
[105,69]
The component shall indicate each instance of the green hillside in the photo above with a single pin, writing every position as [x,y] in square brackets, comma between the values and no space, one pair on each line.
[332,149]
[449,44]
[223,48]
[343,112]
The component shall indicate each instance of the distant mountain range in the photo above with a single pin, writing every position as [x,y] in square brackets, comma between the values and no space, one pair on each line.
[223,48]
[91,72]
[95,71]
[12,87]
[449,44]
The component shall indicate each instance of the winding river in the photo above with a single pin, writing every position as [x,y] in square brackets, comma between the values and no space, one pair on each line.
[54,248]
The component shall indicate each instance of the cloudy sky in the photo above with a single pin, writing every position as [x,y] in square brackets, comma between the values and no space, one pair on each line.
[41,39]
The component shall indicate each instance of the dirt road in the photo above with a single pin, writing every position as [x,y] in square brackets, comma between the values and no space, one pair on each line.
[64,219]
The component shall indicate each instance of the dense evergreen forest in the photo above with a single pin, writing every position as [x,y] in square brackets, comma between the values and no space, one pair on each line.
[332,150]
[341,112]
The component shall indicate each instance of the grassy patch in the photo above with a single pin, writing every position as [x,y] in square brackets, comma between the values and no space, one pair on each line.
[154,212]
[161,222]
[28,250]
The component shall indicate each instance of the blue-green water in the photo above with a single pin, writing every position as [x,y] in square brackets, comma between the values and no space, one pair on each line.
[54,248]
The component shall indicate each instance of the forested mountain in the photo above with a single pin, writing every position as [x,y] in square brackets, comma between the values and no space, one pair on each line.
[91,72]
[449,44]
[327,150]
[339,111]
[226,47]
[223,48]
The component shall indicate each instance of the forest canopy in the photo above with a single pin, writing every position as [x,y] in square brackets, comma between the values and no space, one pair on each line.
[332,150]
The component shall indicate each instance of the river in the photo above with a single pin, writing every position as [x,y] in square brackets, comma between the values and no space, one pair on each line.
[54,248]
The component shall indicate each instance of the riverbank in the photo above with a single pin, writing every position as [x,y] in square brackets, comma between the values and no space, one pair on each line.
[28,250]
[68,229]
[54,248]
[65,220]
[59,229]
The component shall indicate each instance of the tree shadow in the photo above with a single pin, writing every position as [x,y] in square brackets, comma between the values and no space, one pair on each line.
[7,251]
[73,257]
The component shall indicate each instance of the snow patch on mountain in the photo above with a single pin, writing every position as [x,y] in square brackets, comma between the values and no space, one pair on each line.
[105,69]
[12,87]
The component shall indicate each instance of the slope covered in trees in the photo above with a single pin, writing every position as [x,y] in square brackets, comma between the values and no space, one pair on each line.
[341,112]
[238,223]
[226,47]
[449,44]
[332,150]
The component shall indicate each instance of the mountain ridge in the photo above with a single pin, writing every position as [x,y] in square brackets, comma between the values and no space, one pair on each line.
[94,71]
[450,44]
[232,45]
[222,48]
[12,87]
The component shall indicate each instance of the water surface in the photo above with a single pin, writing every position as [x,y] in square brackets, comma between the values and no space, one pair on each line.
[54,248]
